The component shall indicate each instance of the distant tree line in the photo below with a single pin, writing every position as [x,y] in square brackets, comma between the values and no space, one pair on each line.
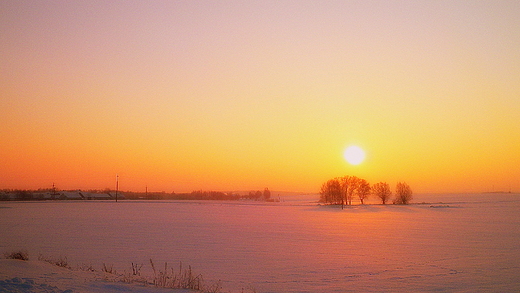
[200,195]
[258,195]
[55,194]
[342,190]
[16,194]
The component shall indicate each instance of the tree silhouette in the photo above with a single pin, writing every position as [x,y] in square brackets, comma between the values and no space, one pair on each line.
[363,190]
[349,185]
[341,190]
[382,190]
[331,192]
[403,193]
[267,193]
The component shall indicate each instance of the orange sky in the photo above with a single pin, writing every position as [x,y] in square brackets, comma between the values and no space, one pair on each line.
[234,95]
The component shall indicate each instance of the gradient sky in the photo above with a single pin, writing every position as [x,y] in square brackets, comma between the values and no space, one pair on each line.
[241,95]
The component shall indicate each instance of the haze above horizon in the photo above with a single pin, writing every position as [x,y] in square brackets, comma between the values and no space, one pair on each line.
[184,95]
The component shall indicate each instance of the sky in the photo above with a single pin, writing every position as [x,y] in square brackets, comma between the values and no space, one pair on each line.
[178,96]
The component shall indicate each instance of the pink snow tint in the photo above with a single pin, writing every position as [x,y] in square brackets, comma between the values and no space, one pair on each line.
[451,243]
[42,277]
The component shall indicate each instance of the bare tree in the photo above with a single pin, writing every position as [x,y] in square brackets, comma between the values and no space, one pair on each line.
[363,190]
[403,193]
[341,190]
[382,190]
[331,192]
[267,193]
[349,185]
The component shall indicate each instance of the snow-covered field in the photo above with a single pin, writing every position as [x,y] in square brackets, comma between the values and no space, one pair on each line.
[441,243]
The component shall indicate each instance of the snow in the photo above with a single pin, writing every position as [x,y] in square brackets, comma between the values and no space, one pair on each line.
[42,277]
[441,243]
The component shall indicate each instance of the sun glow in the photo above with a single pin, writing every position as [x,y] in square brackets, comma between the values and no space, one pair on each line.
[275,103]
[354,155]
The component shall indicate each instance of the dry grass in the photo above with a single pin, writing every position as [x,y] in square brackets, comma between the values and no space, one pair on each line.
[20,254]
[249,289]
[108,269]
[60,262]
[136,269]
[86,268]
[168,277]
[183,278]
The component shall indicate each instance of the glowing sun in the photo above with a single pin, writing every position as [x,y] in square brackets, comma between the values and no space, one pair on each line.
[354,155]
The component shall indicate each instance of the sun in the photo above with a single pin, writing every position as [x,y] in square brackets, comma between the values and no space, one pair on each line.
[354,155]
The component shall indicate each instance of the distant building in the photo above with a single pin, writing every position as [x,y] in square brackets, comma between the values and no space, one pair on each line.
[112,195]
[76,194]
[45,195]
[98,196]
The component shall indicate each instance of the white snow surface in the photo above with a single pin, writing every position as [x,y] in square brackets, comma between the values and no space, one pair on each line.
[441,243]
[42,277]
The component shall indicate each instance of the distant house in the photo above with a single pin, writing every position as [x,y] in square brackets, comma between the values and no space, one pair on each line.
[98,196]
[70,195]
[78,194]
[112,195]
[45,195]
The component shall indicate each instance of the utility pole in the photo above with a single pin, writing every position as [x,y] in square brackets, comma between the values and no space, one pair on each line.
[117,185]
[53,193]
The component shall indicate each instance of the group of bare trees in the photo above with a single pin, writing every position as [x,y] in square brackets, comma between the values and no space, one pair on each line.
[257,195]
[341,191]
